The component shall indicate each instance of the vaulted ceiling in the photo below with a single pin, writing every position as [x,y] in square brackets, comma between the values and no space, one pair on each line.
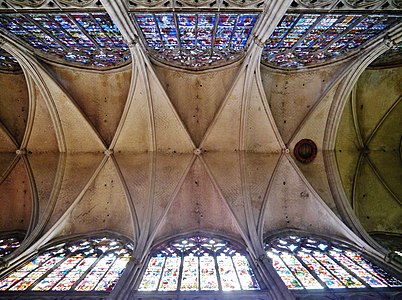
[149,150]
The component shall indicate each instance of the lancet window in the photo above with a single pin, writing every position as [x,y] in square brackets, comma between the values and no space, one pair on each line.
[86,39]
[309,263]
[198,264]
[195,40]
[93,264]
[309,39]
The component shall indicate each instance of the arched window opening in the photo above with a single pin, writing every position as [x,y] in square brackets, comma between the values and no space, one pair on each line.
[84,39]
[198,264]
[10,242]
[196,40]
[93,264]
[309,263]
[309,39]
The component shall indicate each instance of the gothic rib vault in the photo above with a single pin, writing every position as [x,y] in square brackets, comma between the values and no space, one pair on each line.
[151,151]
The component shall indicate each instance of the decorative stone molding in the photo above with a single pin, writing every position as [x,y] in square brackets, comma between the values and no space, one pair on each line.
[78,3]
[397,3]
[21,151]
[211,4]
[315,3]
[347,4]
[364,3]
[29,3]
[108,152]
[2,41]
[48,4]
[259,43]
[197,151]
[136,262]
[132,43]
[389,43]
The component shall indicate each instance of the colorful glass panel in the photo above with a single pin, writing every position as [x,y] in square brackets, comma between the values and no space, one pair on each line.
[8,244]
[306,39]
[189,279]
[170,274]
[197,262]
[62,267]
[75,274]
[325,276]
[347,279]
[152,274]
[208,279]
[227,273]
[307,280]
[195,39]
[7,62]
[247,279]
[283,271]
[319,264]
[112,276]
[97,272]
[88,39]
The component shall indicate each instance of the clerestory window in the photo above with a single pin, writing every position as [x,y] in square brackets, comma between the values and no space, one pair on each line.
[196,40]
[310,263]
[93,264]
[310,39]
[83,39]
[198,263]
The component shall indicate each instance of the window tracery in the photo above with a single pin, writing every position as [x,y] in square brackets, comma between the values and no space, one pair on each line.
[93,264]
[309,263]
[198,264]
[8,61]
[195,40]
[86,39]
[347,4]
[309,39]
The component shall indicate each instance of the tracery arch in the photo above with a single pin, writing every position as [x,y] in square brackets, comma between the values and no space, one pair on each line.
[198,263]
[196,40]
[311,39]
[89,40]
[87,264]
[308,262]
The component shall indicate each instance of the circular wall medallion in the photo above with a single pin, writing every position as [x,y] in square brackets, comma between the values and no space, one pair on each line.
[305,151]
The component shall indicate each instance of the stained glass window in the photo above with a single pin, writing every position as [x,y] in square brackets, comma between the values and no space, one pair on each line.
[308,263]
[9,244]
[8,62]
[198,263]
[306,39]
[84,265]
[195,39]
[86,39]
